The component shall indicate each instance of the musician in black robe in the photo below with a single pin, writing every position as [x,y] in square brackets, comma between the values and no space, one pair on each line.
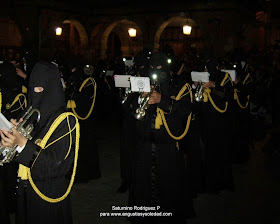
[81,89]
[140,68]
[49,167]
[213,131]
[158,167]
[190,144]
[242,136]
[13,102]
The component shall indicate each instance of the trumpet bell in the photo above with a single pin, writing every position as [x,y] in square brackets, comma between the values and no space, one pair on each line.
[140,114]
[88,69]
[141,110]
[198,96]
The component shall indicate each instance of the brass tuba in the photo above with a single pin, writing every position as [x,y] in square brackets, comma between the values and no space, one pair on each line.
[25,127]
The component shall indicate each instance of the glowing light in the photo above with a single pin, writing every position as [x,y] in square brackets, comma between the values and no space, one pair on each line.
[187,29]
[58,31]
[132,32]
[124,59]
[154,76]
[169,61]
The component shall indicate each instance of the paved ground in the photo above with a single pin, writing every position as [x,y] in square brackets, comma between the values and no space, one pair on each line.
[256,200]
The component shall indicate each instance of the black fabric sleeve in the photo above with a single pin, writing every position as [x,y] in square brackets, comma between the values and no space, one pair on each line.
[165,103]
[28,154]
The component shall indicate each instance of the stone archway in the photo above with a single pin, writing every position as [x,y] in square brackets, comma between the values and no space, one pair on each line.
[129,46]
[81,30]
[179,20]
[73,41]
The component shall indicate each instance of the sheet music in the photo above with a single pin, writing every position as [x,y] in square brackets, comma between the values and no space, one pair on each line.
[122,81]
[140,84]
[4,123]
[200,76]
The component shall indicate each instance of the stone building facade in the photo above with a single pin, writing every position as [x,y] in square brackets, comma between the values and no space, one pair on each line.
[94,33]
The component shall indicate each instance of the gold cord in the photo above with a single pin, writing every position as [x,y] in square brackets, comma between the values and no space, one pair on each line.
[161,117]
[93,98]
[42,145]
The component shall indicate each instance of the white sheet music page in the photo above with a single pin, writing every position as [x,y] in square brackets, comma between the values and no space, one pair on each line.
[140,84]
[122,81]
[200,76]
[4,123]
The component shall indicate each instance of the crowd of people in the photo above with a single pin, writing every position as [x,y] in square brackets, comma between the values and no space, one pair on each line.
[181,143]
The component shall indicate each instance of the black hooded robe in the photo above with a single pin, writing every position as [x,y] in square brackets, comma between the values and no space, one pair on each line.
[88,165]
[50,168]
[158,176]
[241,117]
[10,90]
[215,130]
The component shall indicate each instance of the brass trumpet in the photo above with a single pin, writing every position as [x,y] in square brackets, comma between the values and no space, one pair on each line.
[143,104]
[198,96]
[7,154]
[126,94]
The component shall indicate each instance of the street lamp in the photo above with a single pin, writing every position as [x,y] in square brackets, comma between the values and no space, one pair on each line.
[187,29]
[132,32]
[58,31]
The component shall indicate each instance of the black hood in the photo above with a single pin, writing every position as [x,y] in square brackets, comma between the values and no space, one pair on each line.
[159,59]
[207,62]
[141,62]
[159,67]
[46,75]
